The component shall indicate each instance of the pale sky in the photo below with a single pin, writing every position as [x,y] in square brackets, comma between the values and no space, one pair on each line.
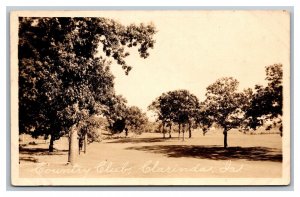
[195,48]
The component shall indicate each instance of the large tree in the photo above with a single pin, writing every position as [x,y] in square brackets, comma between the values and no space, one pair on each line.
[63,80]
[223,106]
[178,107]
[161,107]
[266,101]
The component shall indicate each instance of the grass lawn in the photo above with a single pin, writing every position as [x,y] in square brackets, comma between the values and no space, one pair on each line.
[150,156]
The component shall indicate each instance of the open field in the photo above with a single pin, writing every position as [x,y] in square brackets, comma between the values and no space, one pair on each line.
[149,155]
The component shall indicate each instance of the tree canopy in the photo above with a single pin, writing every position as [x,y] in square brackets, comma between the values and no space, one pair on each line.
[62,78]
[115,113]
[223,105]
[122,117]
[178,107]
[266,102]
[136,120]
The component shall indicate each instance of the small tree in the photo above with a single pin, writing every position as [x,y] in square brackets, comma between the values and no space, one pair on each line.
[223,106]
[203,120]
[121,117]
[136,120]
[87,131]
[115,113]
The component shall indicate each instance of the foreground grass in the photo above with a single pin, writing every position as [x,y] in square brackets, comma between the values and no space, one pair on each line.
[149,155]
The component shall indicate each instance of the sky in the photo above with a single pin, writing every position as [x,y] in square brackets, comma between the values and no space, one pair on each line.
[195,48]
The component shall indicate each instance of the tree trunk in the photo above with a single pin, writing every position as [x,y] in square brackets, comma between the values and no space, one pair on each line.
[85,143]
[73,145]
[170,131]
[280,129]
[126,132]
[163,130]
[183,127]
[51,148]
[79,146]
[190,131]
[179,127]
[225,138]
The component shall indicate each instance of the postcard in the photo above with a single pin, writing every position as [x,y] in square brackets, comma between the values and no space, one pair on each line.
[150,97]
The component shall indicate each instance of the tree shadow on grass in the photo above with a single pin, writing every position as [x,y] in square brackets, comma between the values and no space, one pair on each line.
[215,152]
[140,140]
[28,159]
[41,151]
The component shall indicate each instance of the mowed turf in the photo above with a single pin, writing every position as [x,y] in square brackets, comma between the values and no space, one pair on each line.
[149,155]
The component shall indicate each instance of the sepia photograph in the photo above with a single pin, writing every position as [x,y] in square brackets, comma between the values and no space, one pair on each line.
[150,97]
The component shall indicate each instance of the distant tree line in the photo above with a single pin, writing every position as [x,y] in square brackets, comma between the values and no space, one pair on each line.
[224,106]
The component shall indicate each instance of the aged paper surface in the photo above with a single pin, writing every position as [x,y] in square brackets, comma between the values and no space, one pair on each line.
[192,50]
